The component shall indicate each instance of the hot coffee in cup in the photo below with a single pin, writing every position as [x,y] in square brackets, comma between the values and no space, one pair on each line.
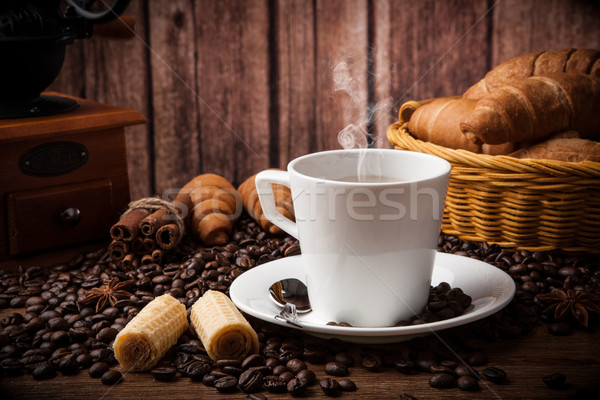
[368,222]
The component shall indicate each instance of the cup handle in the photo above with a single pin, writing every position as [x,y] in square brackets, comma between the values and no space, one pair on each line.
[264,188]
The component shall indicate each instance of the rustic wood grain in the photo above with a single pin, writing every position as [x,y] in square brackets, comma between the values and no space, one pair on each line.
[524,26]
[428,49]
[176,134]
[115,72]
[294,81]
[233,86]
[341,69]
[256,79]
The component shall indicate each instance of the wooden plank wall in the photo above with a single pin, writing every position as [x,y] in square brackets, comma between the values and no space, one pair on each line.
[236,86]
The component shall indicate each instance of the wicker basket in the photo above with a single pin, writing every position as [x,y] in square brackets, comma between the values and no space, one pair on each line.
[517,203]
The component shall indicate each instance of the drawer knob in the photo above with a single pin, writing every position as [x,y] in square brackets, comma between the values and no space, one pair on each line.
[70,216]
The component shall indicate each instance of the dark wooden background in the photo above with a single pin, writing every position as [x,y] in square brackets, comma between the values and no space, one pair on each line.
[235,86]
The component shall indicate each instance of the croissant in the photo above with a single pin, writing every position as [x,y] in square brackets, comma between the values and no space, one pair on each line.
[586,61]
[534,108]
[213,205]
[438,122]
[283,202]
[570,149]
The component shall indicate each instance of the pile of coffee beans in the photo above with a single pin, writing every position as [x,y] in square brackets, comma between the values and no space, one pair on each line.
[49,331]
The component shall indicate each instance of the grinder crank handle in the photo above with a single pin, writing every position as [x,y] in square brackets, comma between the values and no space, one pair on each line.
[122,28]
[99,17]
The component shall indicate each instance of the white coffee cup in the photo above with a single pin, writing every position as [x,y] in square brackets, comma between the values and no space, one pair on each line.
[368,248]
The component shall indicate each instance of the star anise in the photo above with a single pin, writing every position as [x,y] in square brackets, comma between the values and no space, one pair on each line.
[108,293]
[574,304]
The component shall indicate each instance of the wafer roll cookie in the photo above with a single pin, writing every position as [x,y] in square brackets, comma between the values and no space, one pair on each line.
[150,334]
[224,331]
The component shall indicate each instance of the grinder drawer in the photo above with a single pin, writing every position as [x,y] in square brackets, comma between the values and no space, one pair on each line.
[46,218]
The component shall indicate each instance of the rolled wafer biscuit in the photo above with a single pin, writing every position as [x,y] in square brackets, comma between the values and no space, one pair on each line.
[222,328]
[150,334]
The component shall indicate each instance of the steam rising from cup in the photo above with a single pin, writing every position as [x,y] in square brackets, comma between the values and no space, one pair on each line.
[356,135]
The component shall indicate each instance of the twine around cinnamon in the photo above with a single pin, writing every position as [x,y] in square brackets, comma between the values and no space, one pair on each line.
[145,226]
[152,204]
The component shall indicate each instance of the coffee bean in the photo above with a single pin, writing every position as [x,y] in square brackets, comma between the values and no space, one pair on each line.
[112,377]
[297,386]
[44,371]
[192,347]
[60,338]
[35,325]
[263,370]
[14,318]
[68,365]
[494,374]
[347,385]
[251,381]
[210,378]
[345,359]
[555,380]
[163,373]
[255,396]
[439,369]
[330,386]
[425,362]
[252,361]
[279,369]
[228,363]
[371,361]
[295,365]
[235,371]
[31,362]
[197,369]
[271,362]
[102,354]
[464,370]
[275,384]
[107,335]
[306,374]
[442,380]
[467,383]
[84,361]
[98,369]
[226,384]
[406,396]
[405,367]
[336,368]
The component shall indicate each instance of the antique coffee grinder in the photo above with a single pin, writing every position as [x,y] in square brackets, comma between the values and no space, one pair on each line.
[33,38]
[63,161]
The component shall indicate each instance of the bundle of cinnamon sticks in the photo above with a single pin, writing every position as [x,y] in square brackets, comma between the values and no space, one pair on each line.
[142,237]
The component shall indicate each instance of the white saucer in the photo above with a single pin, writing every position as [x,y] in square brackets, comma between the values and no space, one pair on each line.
[490,288]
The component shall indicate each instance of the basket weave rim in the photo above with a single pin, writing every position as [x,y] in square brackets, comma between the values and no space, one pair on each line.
[500,163]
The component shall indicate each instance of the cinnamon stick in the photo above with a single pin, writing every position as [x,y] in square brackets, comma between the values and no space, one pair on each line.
[154,221]
[117,250]
[130,262]
[149,245]
[127,228]
[167,236]
[137,246]
[147,259]
[157,256]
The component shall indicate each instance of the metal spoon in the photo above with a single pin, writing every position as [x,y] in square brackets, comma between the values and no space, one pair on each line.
[291,291]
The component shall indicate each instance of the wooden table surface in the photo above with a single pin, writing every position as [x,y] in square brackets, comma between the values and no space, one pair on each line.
[526,359]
